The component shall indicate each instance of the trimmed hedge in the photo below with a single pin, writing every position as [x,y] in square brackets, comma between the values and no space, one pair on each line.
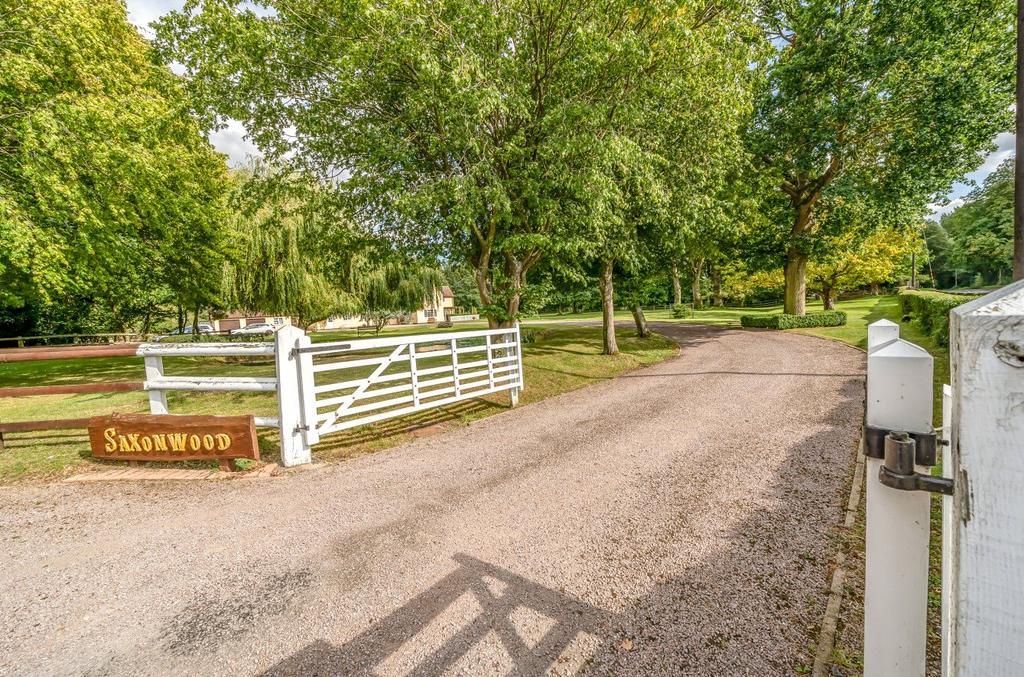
[930,309]
[828,318]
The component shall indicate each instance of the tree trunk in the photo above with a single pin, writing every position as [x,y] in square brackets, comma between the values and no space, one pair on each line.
[195,324]
[641,321]
[827,299]
[181,319]
[515,271]
[697,267]
[608,309]
[716,282]
[677,287]
[796,282]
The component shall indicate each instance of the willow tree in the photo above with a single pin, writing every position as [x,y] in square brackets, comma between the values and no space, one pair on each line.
[885,102]
[286,239]
[390,290]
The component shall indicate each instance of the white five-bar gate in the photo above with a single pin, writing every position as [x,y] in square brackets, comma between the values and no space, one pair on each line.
[981,447]
[328,387]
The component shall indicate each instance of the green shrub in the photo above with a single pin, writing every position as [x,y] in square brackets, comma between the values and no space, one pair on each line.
[682,310]
[930,309]
[828,318]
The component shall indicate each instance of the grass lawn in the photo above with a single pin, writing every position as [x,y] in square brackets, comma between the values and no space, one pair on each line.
[558,360]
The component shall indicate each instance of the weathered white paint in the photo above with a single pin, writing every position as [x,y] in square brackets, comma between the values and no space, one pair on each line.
[294,450]
[154,371]
[250,384]
[986,553]
[158,383]
[381,395]
[899,397]
[205,349]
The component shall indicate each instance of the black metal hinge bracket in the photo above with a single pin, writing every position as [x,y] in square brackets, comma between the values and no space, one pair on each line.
[898,472]
[925,444]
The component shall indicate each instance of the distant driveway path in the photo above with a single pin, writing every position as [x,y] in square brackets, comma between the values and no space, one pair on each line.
[676,520]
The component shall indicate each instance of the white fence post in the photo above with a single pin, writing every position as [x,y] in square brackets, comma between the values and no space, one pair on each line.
[155,372]
[899,397]
[947,526]
[294,450]
[986,554]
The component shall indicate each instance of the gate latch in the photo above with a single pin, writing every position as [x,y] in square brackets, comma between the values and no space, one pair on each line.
[897,470]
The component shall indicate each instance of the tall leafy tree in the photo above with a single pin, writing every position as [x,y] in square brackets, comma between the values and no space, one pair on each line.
[468,127]
[981,230]
[107,186]
[882,103]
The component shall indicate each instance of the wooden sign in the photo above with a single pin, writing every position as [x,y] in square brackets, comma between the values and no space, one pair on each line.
[144,437]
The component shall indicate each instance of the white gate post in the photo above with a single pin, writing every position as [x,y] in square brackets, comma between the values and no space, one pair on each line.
[899,397]
[294,450]
[986,554]
[155,372]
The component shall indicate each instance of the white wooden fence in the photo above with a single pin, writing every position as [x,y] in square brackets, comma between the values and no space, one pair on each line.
[329,387]
[982,449]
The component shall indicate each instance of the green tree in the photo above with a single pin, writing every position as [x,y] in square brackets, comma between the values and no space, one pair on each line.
[981,230]
[469,127]
[856,259]
[882,103]
[107,187]
[390,290]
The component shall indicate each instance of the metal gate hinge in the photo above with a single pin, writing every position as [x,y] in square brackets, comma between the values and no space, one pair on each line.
[897,470]
[926,443]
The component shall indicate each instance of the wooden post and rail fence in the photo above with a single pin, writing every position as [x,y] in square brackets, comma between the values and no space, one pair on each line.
[407,374]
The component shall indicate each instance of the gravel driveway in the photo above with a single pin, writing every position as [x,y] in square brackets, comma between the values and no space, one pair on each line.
[675,520]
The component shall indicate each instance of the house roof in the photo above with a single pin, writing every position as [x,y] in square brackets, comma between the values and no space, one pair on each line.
[446,292]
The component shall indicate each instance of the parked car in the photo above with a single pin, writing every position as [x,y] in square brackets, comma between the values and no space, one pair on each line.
[258,328]
[204,329]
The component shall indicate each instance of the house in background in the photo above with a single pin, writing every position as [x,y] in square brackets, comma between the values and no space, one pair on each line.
[237,320]
[438,309]
[435,310]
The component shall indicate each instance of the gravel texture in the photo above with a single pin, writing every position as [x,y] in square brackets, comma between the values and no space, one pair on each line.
[675,520]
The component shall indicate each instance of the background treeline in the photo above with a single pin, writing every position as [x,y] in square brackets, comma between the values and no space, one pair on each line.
[541,154]
[972,246]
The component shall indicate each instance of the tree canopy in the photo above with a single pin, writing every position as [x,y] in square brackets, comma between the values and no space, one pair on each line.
[874,106]
[108,190]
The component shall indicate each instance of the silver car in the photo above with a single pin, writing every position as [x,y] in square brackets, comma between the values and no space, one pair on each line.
[257,328]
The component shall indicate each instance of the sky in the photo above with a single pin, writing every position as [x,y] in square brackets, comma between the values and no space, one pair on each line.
[232,140]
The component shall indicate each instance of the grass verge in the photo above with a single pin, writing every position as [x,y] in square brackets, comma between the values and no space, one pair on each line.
[560,359]
[848,652]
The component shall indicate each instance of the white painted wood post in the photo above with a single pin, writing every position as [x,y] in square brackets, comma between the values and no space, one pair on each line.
[881,332]
[414,375]
[899,397]
[155,372]
[310,436]
[947,524]
[294,450]
[455,368]
[986,554]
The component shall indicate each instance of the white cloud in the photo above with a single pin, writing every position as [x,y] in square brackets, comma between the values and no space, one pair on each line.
[232,139]
[232,142]
[144,12]
[937,210]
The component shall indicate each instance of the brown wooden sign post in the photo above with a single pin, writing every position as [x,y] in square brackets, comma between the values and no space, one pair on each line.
[143,437]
